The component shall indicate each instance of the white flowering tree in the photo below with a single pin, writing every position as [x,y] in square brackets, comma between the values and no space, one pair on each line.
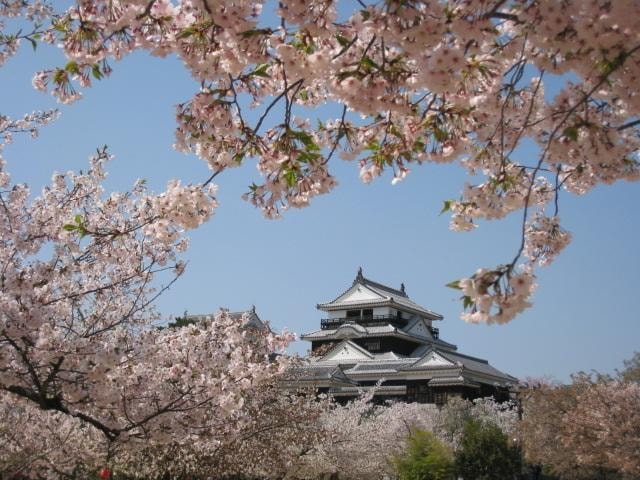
[410,81]
[87,380]
[360,438]
[602,428]
[80,270]
[583,430]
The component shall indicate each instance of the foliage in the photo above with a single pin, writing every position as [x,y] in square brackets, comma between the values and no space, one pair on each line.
[179,322]
[486,453]
[425,458]
[631,370]
[360,438]
[454,415]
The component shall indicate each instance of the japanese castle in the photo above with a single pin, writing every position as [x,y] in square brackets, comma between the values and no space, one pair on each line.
[375,333]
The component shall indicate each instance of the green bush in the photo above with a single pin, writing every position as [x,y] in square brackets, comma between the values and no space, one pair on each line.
[426,458]
[486,454]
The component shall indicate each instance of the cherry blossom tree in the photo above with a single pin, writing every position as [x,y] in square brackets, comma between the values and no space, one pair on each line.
[602,429]
[584,430]
[409,82]
[87,378]
[45,443]
[88,381]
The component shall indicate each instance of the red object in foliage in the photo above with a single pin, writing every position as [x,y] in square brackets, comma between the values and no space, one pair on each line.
[105,473]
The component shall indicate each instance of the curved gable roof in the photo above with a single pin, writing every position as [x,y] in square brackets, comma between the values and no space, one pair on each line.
[346,351]
[368,293]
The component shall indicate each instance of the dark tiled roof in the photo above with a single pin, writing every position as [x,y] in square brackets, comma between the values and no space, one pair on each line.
[451,381]
[474,364]
[362,332]
[390,296]
[368,366]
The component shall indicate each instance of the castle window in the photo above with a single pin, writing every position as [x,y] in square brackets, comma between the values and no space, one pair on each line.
[372,346]
[440,398]
[419,393]
[364,313]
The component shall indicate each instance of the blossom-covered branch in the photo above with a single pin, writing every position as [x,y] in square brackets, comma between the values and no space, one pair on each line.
[415,81]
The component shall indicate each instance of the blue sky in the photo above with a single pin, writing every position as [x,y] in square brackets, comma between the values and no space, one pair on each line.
[585,314]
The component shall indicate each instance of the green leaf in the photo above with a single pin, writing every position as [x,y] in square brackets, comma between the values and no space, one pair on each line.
[446,206]
[69,227]
[455,284]
[440,134]
[374,146]
[61,25]
[238,157]
[467,302]
[72,67]
[418,146]
[305,138]
[96,72]
[256,31]
[346,74]
[291,177]
[365,14]
[395,131]
[33,43]
[571,132]
[187,32]
[342,40]
[60,76]
[368,63]
[78,219]
[306,156]
[260,71]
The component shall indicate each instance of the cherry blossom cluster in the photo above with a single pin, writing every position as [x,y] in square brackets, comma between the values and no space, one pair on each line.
[446,81]
[495,296]
[545,239]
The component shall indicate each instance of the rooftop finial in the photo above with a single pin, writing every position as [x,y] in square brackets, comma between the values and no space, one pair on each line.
[402,288]
[253,309]
[359,276]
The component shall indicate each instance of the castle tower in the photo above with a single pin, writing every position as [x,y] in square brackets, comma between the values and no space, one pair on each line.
[373,332]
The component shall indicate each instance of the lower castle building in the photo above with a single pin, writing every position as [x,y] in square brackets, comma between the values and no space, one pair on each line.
[374,333]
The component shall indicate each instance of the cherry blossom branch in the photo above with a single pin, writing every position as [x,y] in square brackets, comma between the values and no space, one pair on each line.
[628,125]
[618,64]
